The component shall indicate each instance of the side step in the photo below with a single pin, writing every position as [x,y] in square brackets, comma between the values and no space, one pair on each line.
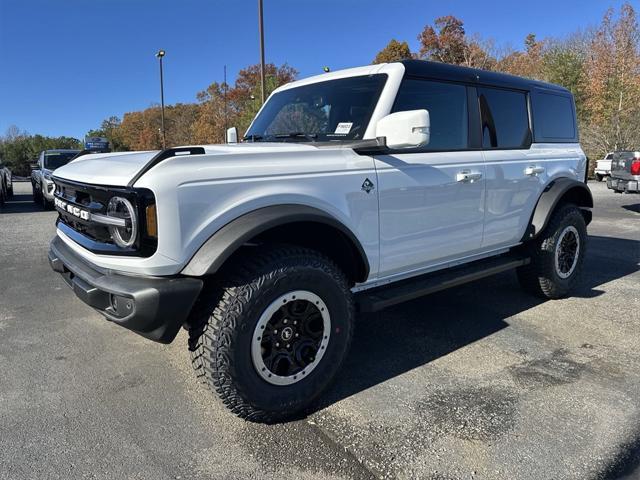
[382,297]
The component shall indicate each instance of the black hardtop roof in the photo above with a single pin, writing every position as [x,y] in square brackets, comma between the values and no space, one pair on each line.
[445,71]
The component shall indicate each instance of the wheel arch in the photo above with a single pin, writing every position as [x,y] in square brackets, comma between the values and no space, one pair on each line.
[292,224]
[559,191]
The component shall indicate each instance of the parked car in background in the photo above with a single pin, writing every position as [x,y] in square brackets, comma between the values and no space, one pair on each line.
[3,195]
[625,172]
[6,179]
[603,167]
[41,181]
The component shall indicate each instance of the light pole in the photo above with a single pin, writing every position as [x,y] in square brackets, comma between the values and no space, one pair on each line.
[261,23]
[159,55]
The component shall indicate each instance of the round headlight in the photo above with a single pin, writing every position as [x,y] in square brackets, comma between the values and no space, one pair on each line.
[121,208]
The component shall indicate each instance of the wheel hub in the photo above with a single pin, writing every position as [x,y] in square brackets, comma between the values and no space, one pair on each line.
[567,251]
[287,334]
[290,337]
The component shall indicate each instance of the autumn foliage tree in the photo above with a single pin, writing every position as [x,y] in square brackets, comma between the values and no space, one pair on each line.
[446,41]
[142,130]
[526,63]
[245,96]
[612,97]
[393,52]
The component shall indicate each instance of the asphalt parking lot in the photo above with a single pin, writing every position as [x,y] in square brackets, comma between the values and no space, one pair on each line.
[482,381]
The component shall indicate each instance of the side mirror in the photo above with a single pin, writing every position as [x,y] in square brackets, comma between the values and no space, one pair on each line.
[232,135]
[405,129]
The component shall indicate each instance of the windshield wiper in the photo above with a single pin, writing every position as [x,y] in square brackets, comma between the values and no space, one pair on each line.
[309,136]
[253,138]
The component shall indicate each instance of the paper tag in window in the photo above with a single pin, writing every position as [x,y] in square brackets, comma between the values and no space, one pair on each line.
[343,128]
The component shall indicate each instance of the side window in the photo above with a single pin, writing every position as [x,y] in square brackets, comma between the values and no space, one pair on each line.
[553,117]
[505,118]
[447,106]
[609,157]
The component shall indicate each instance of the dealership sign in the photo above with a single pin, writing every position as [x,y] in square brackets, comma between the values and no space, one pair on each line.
[96,143]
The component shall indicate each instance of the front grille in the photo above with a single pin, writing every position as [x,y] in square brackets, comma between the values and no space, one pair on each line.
[95,199]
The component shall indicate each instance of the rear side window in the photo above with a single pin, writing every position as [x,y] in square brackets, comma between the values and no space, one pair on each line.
[505,119]
[447,106]
[553,117]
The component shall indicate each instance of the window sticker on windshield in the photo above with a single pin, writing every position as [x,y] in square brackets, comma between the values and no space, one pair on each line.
[343,128]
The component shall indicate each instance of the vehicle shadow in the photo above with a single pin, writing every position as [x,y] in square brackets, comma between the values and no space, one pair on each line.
[401,338]
[634,207]
[21,203]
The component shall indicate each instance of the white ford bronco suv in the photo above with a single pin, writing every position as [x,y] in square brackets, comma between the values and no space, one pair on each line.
[351,191]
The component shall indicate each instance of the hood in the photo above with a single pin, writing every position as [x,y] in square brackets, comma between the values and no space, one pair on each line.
[118,169]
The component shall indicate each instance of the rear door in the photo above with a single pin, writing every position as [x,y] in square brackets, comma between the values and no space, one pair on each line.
[432,198]
[515,174]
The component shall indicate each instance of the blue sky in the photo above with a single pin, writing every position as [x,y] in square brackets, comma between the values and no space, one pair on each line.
[67,64]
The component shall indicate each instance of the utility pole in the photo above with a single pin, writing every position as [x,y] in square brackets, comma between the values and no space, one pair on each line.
[160,55]
[224,96]
[261,23]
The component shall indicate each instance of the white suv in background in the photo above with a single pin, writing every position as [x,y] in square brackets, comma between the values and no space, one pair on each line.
[352,191]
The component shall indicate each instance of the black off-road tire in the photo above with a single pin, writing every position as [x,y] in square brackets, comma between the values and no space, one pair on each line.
[599,177]
[540,277]
[224,318]
[36,194]
[46,204]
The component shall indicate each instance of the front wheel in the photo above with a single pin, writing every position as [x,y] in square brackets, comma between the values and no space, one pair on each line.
[557,255]
[36,193]
[273,334]
[599,177]
[46,204]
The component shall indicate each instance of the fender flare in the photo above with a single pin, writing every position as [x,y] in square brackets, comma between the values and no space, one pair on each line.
[223,243]
[574,190]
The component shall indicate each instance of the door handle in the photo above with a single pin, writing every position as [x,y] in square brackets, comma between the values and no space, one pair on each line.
[467,176]
[533,170]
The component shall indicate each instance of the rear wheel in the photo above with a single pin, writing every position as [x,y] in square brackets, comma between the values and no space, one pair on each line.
[599,177]
[272,335]
[557,255]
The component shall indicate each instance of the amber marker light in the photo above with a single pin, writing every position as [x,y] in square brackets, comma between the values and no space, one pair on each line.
[152,223]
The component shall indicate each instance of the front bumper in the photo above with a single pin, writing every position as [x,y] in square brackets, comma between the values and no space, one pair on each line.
[623,185]
[154,307]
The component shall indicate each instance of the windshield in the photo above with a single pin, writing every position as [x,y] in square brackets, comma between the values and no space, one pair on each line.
[53,160]
[331,110]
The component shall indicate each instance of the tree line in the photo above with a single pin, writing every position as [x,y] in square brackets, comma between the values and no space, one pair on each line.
[599,65]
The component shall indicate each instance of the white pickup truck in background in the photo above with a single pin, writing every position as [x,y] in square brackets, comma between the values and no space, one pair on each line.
[603,167]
